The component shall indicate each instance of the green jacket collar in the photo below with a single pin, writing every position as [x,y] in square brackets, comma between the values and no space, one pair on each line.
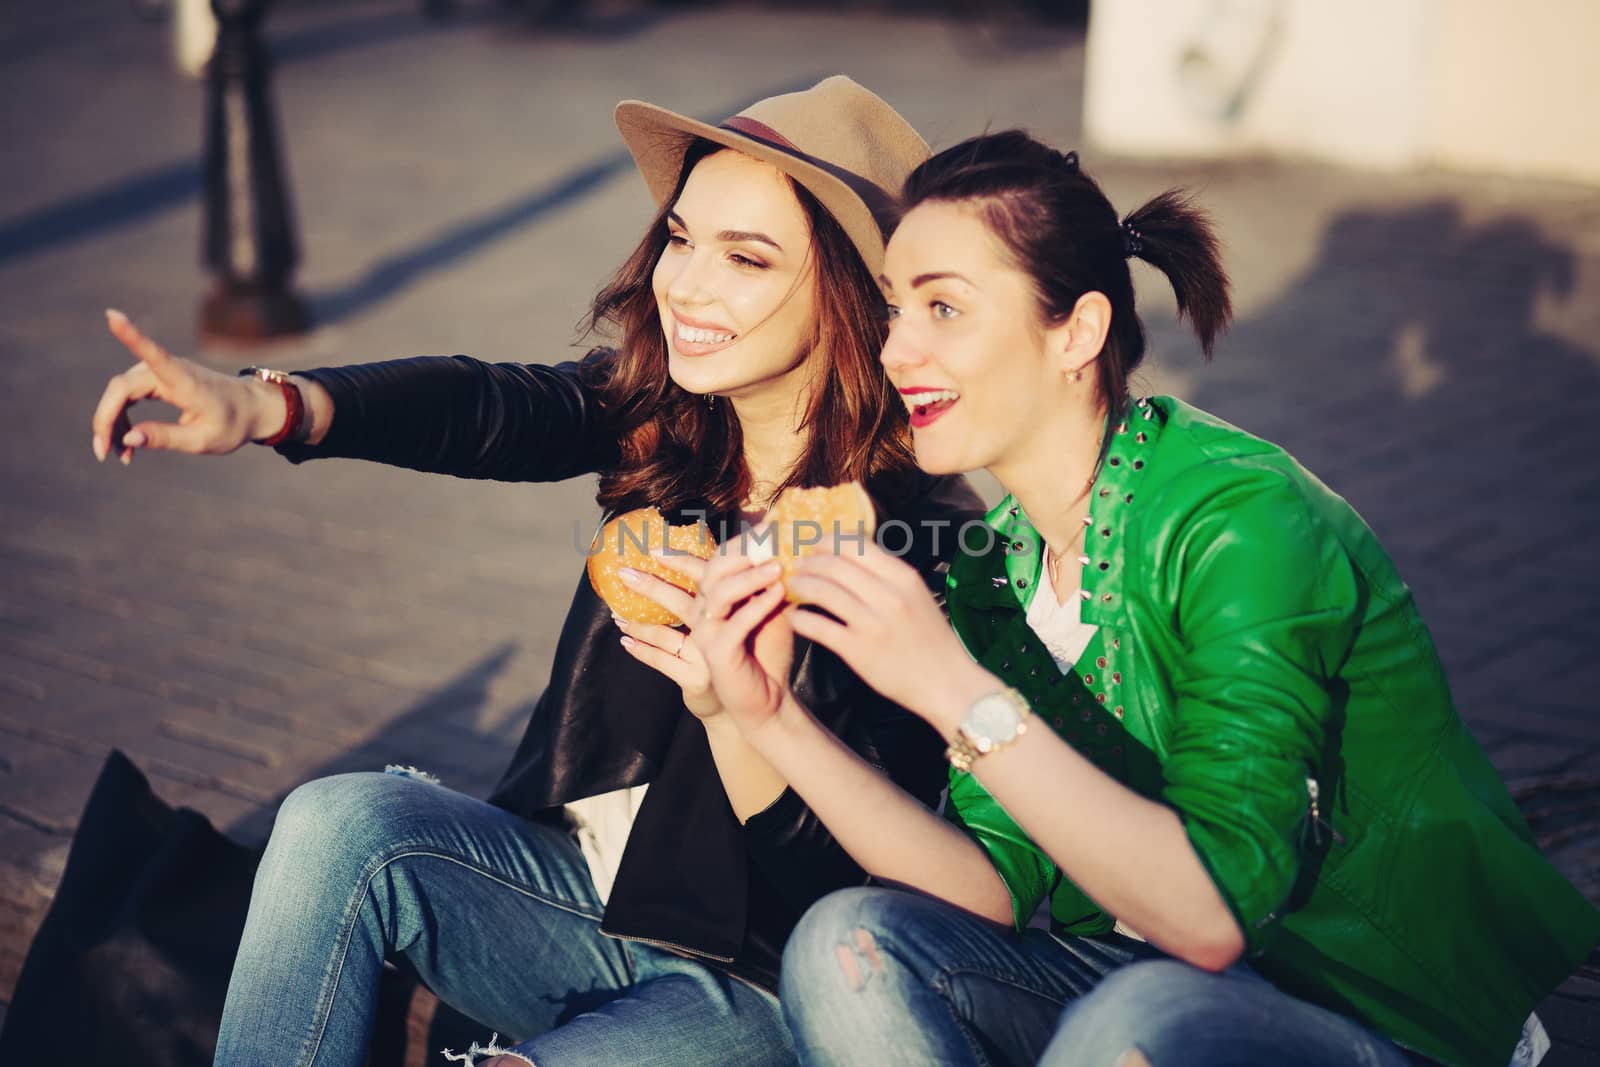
[1007,572]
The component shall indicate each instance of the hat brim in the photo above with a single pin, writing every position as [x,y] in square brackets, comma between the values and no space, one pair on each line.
[658,140]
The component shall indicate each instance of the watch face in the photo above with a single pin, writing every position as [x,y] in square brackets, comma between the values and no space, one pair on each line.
[992,720]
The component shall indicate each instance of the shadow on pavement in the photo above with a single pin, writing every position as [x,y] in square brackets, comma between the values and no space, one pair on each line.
[120,203]
[411,737]
[134,200]
[396,273]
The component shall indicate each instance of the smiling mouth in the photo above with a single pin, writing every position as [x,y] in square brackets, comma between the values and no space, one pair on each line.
[927,405]
[696,340]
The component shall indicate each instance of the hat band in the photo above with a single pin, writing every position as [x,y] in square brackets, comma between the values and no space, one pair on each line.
[878,202]
[760,131]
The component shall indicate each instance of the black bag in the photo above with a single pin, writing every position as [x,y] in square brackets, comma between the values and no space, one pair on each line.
[131,963]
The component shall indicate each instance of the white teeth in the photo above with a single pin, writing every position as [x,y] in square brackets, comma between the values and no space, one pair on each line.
[927,399]
[696,336]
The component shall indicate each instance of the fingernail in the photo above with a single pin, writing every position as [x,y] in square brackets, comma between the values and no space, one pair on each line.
[134,438]
[99,446]
[772,566]
[628,643]
[126,458]
[628,575]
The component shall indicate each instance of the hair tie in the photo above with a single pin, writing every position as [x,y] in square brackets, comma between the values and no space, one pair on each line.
[1132,241]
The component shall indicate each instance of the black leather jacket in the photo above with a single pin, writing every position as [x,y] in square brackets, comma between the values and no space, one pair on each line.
[692,878]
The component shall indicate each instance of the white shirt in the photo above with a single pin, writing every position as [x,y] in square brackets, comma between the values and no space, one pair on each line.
[603,824]
[1059,626]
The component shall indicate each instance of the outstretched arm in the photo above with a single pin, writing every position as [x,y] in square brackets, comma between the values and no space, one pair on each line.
[217,412]
[449,415]
[511,422]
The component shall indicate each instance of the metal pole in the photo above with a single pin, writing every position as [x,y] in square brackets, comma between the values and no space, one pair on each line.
[249,243]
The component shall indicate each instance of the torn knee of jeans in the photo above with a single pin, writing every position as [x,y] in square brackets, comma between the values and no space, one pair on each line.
[869,948]
[851,955]
[1133,1058]
[470,1057]
[405,770]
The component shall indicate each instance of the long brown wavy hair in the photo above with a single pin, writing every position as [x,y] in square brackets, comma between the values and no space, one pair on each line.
[675,451]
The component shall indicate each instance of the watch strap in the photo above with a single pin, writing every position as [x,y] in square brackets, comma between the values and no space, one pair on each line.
[961,752]
[294,404]
[964,748]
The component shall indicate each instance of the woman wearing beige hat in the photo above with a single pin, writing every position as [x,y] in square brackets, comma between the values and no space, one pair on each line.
[747,325]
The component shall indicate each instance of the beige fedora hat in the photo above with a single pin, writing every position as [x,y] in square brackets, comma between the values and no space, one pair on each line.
[851,150]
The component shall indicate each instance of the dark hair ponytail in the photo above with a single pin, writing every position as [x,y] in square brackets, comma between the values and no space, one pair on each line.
[1177,238]
[1062,231]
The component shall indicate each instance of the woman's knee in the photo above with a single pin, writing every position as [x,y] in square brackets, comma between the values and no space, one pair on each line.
[837,940]
[861,961]
[1141,1009]
[341,816]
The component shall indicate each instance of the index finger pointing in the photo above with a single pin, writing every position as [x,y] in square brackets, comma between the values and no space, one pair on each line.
[158,359]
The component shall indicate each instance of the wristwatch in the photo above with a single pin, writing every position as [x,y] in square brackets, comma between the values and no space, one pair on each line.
[993,721]
[294,404]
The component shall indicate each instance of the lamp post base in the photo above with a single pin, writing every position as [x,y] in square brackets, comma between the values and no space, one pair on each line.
[243,314]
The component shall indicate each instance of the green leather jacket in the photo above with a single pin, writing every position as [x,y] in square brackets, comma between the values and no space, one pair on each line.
[1264,672]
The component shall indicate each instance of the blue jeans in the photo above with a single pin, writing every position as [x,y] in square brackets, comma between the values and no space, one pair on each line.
[497,915]
[885,977]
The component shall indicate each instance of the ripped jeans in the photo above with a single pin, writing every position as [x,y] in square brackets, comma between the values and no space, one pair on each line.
[496,914]
[884,977]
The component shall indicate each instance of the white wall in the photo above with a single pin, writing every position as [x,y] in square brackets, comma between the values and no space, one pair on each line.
[1518,87]
[1480,84]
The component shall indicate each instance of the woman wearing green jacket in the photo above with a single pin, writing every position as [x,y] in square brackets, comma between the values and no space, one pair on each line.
[1196,709]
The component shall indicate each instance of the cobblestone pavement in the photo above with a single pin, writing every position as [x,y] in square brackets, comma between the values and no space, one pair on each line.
[1425,342]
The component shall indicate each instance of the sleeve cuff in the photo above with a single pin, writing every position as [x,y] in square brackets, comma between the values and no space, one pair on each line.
[343,399]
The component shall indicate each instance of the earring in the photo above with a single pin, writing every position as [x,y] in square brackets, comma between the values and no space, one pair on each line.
[711,401]
[1076,376]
